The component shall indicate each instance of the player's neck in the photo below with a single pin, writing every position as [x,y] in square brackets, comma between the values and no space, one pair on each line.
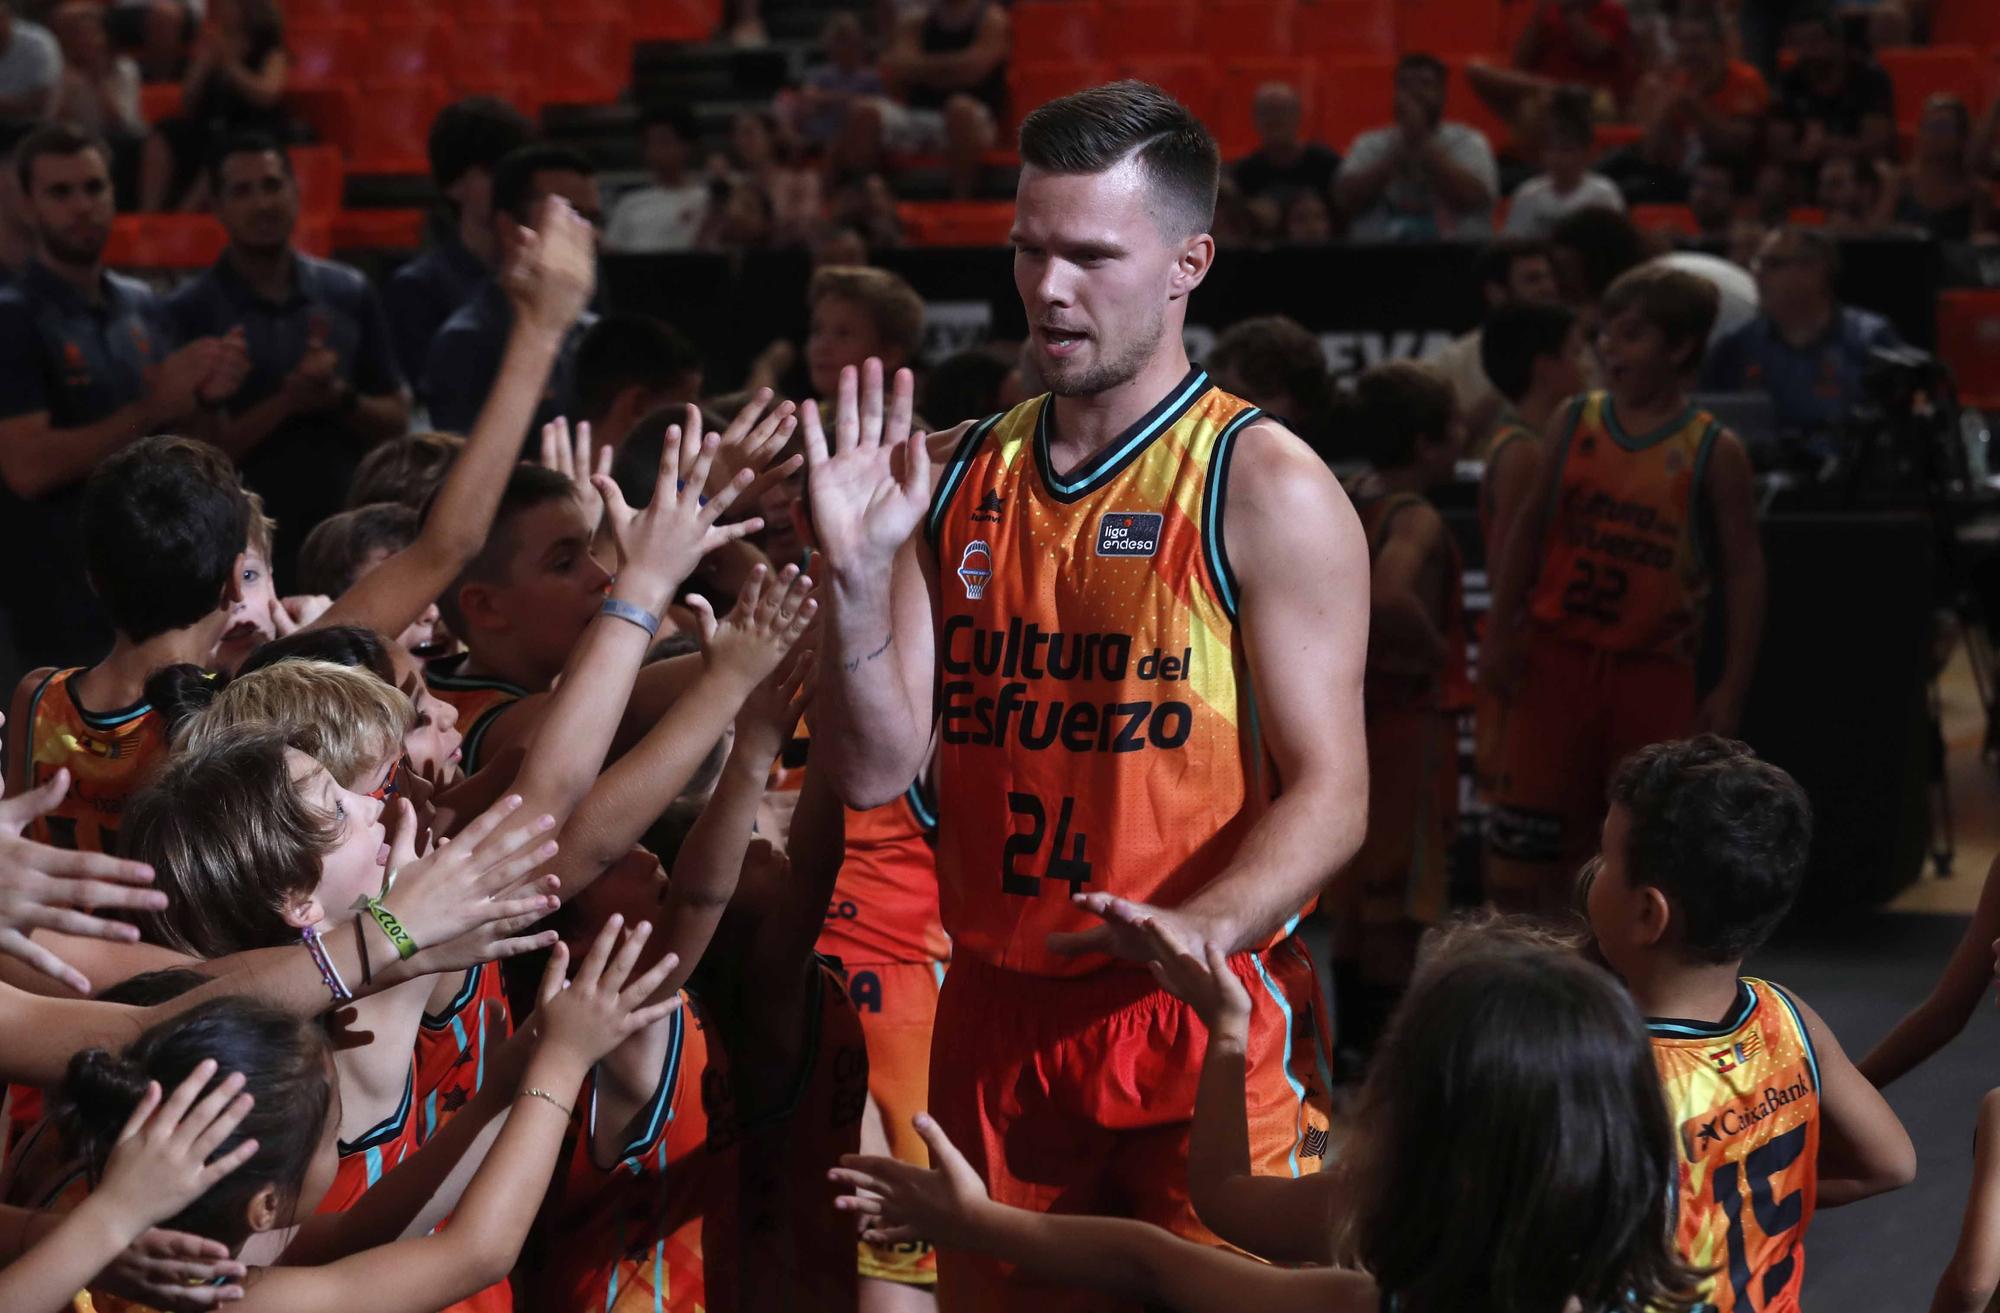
[1693,991]
[268,270]
[1643,411]
[87,279]
[120,679]
[1085,425]
[1535,411]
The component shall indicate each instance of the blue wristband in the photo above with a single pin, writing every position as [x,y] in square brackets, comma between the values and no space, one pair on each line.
[637,615]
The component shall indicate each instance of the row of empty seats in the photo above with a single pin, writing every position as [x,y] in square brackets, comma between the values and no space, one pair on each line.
[650,20]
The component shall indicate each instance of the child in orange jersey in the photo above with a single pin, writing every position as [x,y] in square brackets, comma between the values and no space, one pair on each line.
[1643,505]
[1703,852]
[1406,419]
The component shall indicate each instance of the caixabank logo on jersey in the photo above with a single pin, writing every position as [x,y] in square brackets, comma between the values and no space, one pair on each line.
[1129,533]
[1711,1132]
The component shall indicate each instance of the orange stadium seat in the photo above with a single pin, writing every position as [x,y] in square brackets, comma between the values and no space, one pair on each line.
[1030,85]
[1344,29]
[314,234]
[401,47]
[1193,81]
[387,230]
[1146,28]
[391,123]
[1968,322]
[1244,29]
[521,90]
[1448,27]
[1463,105]
[499,46]
[589,60]
[159,100]
[1232,123]
[1050,30]
[1922,72]
[326,49]
[1358,94]
[165,241]
[674,20]
[1665,218]
[330,108]
[309,11]
[1966,22]
[322,178]
[956,223]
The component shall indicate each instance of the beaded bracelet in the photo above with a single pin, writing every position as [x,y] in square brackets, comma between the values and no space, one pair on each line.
[406,947]
[545,1097]
[329,974]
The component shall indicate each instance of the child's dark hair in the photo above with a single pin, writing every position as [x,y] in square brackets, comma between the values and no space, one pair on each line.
[149,989]
[285,1068]
[1723,834]
[330,558]
[1570,120]
[1273,354]
[1681,305]
[1393,408]
[1517,334]
[528,486]
[1515,1099]
[408,470]
[163,523]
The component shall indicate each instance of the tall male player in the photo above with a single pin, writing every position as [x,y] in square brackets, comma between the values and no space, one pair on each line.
[1142,607]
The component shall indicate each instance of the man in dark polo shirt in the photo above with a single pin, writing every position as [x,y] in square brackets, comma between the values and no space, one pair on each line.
[88,363]
[465,354]
[323,384]
[468,139]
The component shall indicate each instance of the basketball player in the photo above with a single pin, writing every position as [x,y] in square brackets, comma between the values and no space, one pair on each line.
[1094,583]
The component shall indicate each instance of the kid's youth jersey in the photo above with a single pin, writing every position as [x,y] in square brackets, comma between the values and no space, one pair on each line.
[109,756]
[885,900]
[477,699]
[1452,689]
[379,1149]
[1744,1099]
[1097,731]
[1622,565]
[1503,437]
[452,1046]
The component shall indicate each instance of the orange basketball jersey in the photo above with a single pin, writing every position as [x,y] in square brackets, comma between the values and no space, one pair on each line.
[452,1046]
[885,900]
[1453,689]
[479,702]
[109,757]
[1622,564]
[1097,731]
[1744,1098]
[381,1148]
[1503,437]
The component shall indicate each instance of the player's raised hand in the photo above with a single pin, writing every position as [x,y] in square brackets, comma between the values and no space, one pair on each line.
[751,441]
[1124,932]
[1199,976]
[555,272]
[900,1203]
[48,888]
[870,488]
[659,546]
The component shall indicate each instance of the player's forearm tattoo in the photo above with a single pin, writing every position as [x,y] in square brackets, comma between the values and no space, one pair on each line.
[858,662]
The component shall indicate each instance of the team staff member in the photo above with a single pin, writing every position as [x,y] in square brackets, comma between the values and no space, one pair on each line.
[323,385]
[87,364]
[1104,574]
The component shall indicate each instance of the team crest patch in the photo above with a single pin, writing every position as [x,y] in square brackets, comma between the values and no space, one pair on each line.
[1129,533]
[975,567]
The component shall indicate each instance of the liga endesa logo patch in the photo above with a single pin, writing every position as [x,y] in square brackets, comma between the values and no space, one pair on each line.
[1129,533]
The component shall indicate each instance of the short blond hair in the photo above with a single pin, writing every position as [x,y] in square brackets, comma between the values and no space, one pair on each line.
[889,302]
[347,720]
[263,529]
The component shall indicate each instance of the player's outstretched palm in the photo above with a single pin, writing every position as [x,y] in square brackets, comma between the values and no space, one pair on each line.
[870,489]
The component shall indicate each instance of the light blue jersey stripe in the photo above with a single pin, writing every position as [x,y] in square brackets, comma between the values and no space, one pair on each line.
[1298,1090]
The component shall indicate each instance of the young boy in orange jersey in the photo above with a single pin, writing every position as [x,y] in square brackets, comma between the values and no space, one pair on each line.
[164,526]
[1703,852]
[1534,356]
[1406,419]
[1643,504]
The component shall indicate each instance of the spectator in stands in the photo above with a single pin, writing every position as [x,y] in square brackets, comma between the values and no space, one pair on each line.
[1805,348]
[1651,170]
[838,244]
[465,355]
[966,386]
[1712,103]
[1420,178]
[1515,269]
[88,364]
[739,218]
[1716,196]
[31,70]
[1284,163]
[818,110]
[1308,220]
[1850,194]
[1833,101]
[1940,192]
[1565,183]
[156,33]
[100,89]
[855,313]
[235,83]
[1274,363]
[757,155]
[666,214]
[627,366]
[323,385]
[468,139]
[947,73]
[1586,44]
[866,204]
[1589,249]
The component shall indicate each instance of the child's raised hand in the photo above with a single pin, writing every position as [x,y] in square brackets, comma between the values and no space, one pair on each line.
[164,1159]
[43,887]
[174,1272]
[771,615]
[659,546]
[576,460]
[464,900]
[900,1203]
[750,442]
[553,274]
[772,712]
[1199,976]
[595,1012]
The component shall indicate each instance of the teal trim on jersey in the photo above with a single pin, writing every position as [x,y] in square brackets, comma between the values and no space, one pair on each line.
[458,1001]
[954,472]
[1298,1089]
[1681,1028]
[385,1130]
[659,1110]
[1214,549]
[921,807]
[1124,449]
[1805,1036]
[1644,440]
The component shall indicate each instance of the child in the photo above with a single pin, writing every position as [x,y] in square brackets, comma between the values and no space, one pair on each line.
[1511,1072]
[1533,355]
[1969,1282]
[1565,184]
[1406,419]
[1937,1020]
[342,548]
[294,1122]
[254,619]
[405,472]
[1642,504]
[164,524]
[1703,852]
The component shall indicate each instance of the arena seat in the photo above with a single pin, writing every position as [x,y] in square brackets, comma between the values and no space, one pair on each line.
[406,46]
[1030,85]
[159,100]
[521,90]
[387,230]
[1195,82]
[308,11]
[165,241]
[1665,218]
[1356,96]
[1966,22]
[1968,323]
[1233,122]
[1133,29]
[325,49]
[1050,30]
[1922,72]
[587,61]
[391,124]
[1448,27]
[1344,29]
[329,108]
[1463,105]
[499,47]
[666,20]
[1244,29]
[956,223]
[321,177]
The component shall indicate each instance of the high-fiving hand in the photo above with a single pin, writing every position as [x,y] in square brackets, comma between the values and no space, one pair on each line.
[659,546]
[869,491]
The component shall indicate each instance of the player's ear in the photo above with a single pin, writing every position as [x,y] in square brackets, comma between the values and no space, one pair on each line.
[1655,914]
[479,604]
[1192,264]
